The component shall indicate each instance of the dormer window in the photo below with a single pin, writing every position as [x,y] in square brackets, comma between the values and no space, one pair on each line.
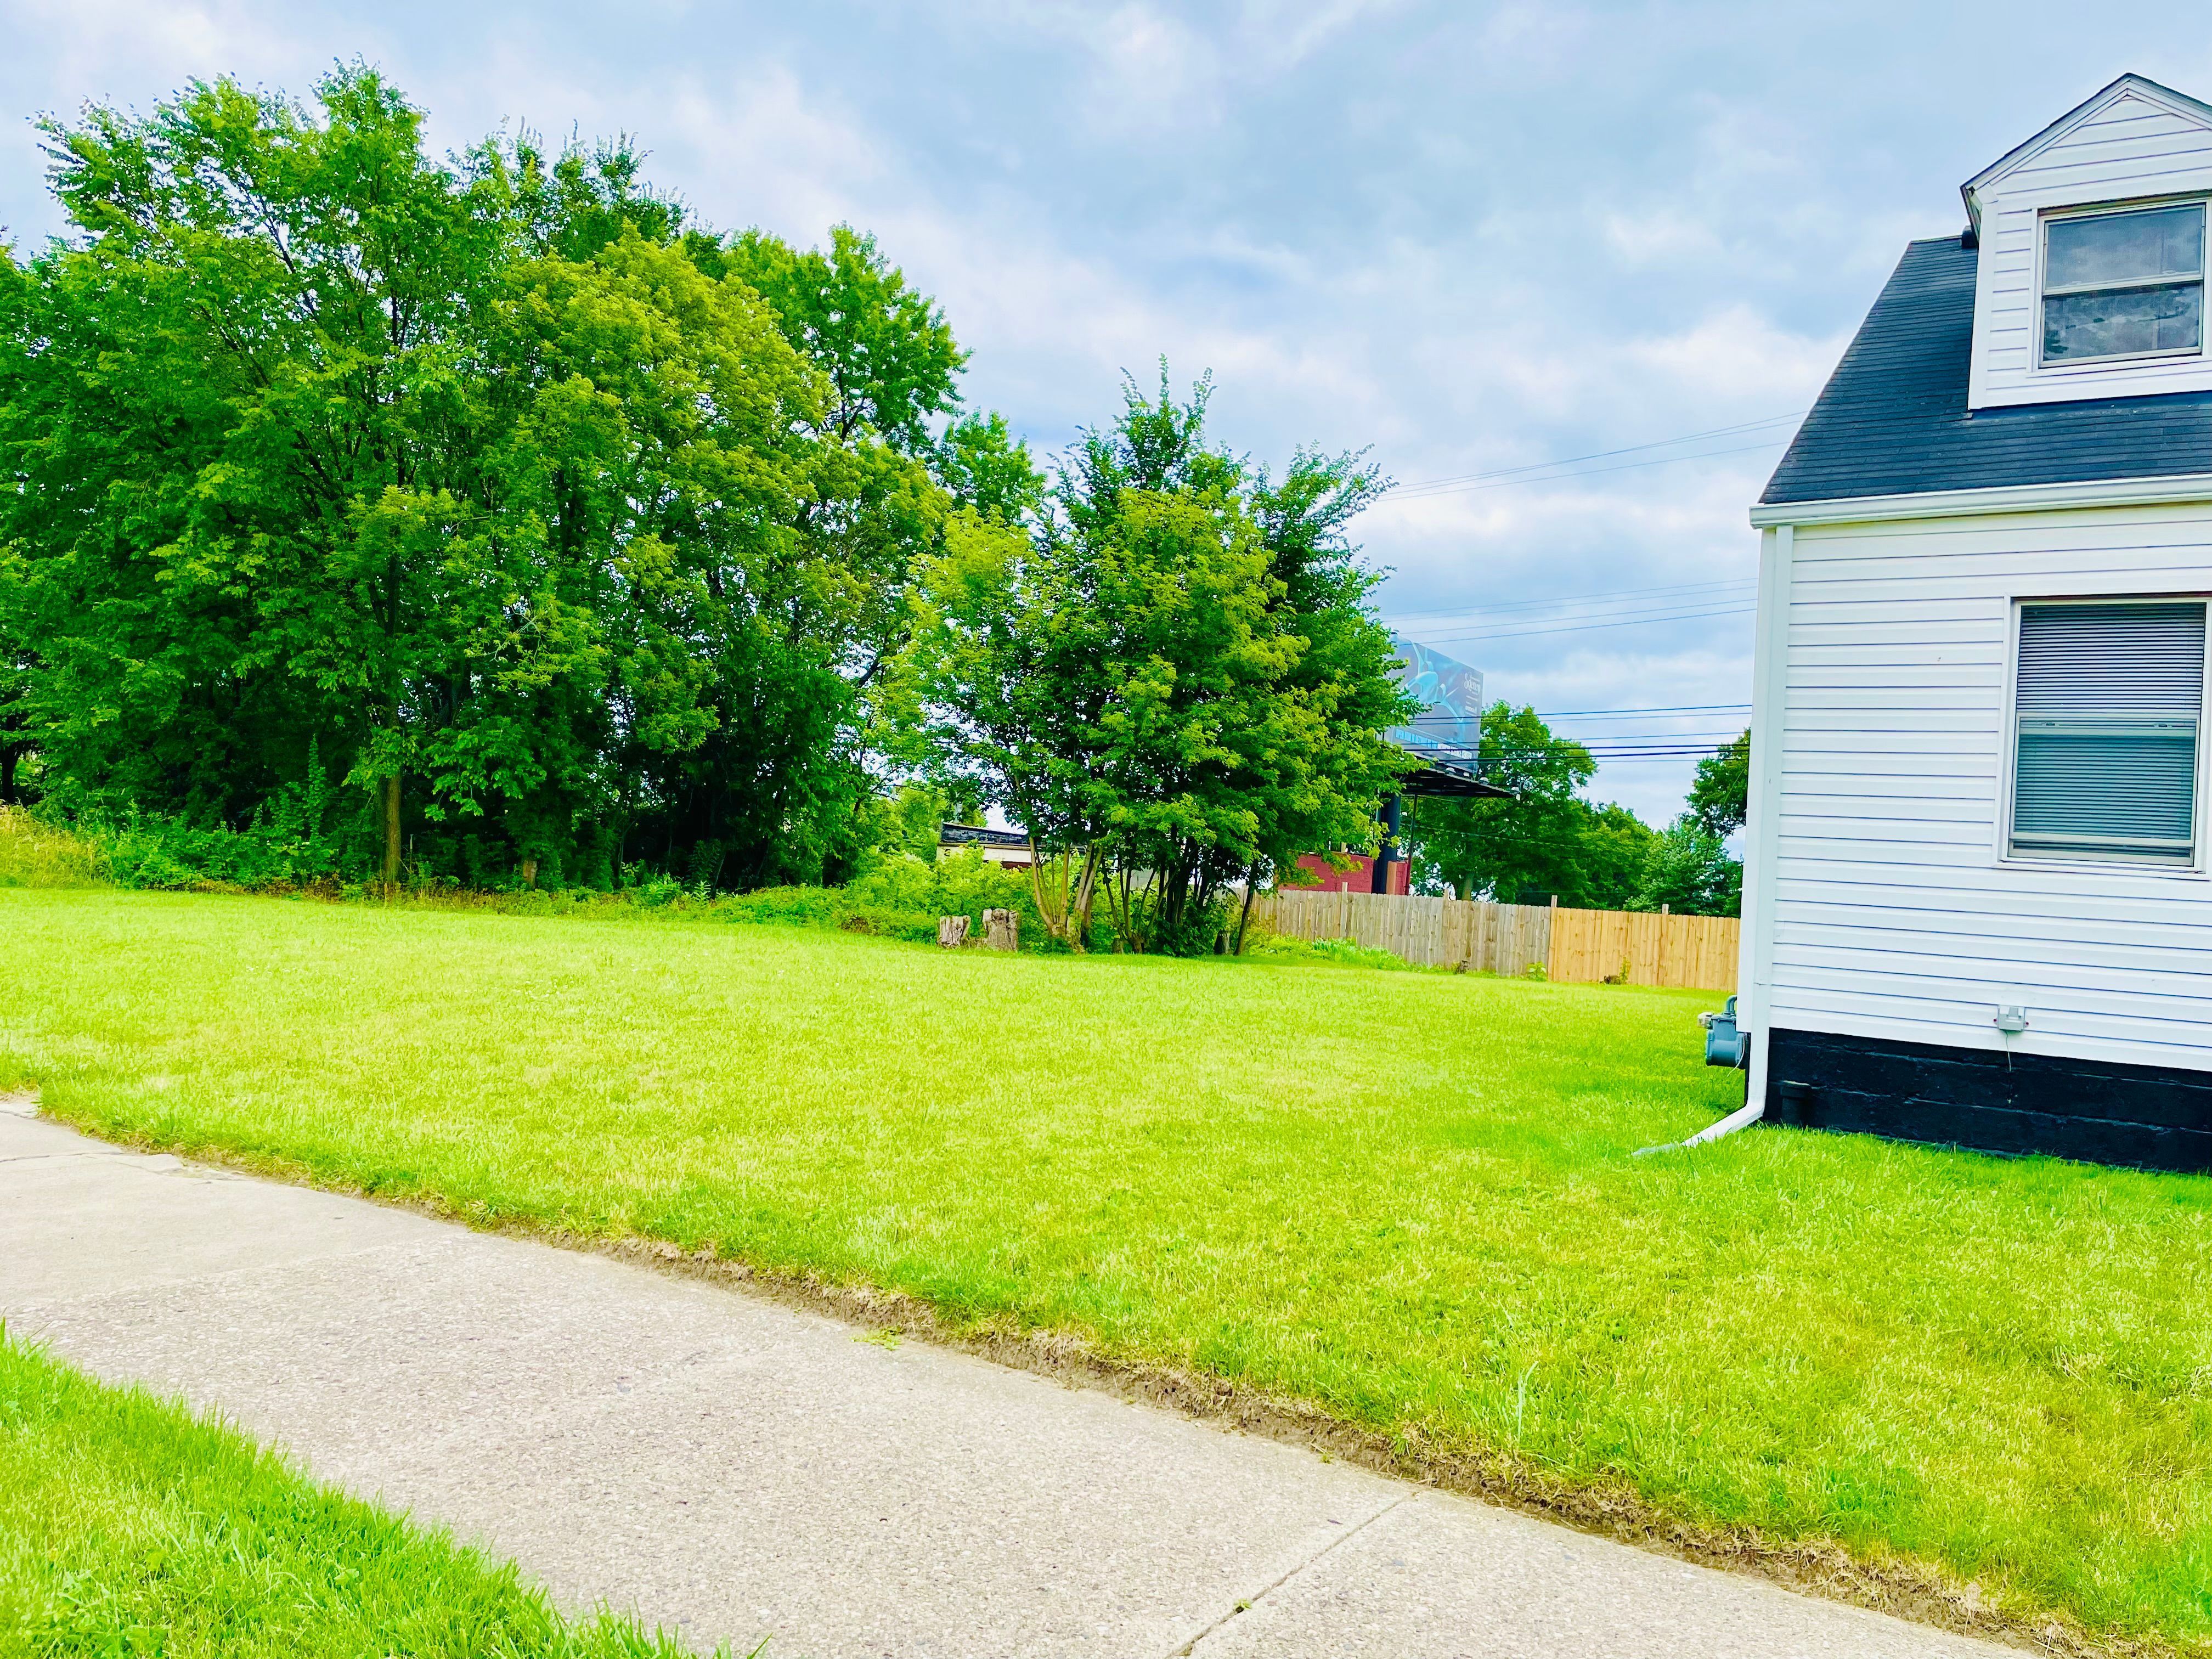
[2128,284]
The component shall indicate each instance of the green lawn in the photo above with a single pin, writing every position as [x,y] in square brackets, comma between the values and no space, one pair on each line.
[1407,1197]
[128,1527]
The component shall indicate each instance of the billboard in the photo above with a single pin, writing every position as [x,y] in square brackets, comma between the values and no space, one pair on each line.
[1449,725]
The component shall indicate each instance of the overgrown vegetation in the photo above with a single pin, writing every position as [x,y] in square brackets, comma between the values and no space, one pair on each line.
[488,518]
[129,1526]
[1408,1198]
[898,897]
[492,521]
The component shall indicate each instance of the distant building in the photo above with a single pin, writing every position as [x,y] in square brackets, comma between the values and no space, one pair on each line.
[1360,879]
[1007,848]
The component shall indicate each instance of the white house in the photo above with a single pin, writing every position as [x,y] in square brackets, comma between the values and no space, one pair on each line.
[1007,849]
[1978,904]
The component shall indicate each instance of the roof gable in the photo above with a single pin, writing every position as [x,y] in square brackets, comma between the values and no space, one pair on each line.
[2152,98]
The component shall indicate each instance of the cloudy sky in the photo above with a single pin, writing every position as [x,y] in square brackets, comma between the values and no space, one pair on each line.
[1482,239]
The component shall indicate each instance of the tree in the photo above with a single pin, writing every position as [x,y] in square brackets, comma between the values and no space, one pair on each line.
[1613,849]
[1174,683]
[243,416]
[1720,794]
[1687,869]
[558,527]
[1515,850]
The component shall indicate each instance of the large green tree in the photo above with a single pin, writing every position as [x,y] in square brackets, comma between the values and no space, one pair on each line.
[561,529]
[1174,681]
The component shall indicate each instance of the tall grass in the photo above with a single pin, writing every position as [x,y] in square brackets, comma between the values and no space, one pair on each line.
[36,854]
[901,896]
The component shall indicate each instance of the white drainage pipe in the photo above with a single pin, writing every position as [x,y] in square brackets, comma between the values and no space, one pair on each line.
[1742,1118]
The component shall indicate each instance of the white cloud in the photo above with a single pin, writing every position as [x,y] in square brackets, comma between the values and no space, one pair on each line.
[1737,353]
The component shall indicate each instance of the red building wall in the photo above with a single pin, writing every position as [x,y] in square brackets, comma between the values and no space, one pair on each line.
[1360,879]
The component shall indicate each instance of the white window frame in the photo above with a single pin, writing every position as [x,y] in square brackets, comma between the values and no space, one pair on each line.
[2048,216]
[2145,864]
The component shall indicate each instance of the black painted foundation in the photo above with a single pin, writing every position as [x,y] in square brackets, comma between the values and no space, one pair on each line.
[2150,1117]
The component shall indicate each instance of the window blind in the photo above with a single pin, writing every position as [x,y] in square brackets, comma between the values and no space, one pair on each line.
[2108,698]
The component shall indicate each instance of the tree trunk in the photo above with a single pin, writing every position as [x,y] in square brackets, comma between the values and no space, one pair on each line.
[951,932]
[1054,901]
[1085,891]
[392,832]
[1244,915]
[1001,930]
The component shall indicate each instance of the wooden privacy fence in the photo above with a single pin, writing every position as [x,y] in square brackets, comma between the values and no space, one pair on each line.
[1586,946]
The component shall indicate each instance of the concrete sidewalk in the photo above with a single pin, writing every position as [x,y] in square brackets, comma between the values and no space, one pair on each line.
[733,1469]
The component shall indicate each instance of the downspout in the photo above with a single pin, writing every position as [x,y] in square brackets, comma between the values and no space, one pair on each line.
[1770,691]
[1742,1118]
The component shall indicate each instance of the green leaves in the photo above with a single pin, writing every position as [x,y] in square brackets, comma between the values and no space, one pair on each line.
[493,477]
[890,361]
[1176,667]
[1719,795]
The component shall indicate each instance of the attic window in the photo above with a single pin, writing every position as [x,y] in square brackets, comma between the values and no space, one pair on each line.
[2123,284]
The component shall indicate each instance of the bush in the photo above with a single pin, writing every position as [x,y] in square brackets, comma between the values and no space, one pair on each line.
[904,891]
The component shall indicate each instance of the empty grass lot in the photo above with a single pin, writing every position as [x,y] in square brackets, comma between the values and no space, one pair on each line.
[1408,1198]
[128,1527]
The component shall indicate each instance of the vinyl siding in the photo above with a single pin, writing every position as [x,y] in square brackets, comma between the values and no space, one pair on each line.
[1894,913]
[2131,150]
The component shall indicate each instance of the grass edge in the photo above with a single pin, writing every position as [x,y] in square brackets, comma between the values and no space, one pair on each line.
[1903,1586]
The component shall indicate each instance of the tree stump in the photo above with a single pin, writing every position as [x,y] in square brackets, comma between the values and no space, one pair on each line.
[952,932]
[1002,930]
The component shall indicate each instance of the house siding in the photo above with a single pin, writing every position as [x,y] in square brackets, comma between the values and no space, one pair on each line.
[1893,914]
[2133,150]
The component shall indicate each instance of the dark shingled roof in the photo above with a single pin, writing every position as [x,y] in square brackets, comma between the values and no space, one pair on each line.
[1892,419]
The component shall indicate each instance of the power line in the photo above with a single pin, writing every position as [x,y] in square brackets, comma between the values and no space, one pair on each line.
[1587,472]
[1681,590]
[1680,708]
[1596,751]
[1599,455]
[1656,611]
[1579,627]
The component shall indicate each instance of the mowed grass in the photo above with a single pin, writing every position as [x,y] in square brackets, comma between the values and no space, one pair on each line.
[1409,1198]
[130,1526]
